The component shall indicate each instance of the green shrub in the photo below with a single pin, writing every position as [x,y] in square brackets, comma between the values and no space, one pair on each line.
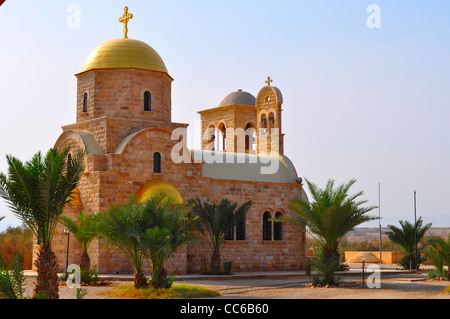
[227,267]
[89,277]
[81,293]
[11,282]
[169,282]
[408,261]
[325,266]
[63,276]
[437,273]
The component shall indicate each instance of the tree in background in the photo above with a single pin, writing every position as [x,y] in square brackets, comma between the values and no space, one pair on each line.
[170,228]
[329,217]
[12,279]
[17,240]
[440,255]
[85,230]
[123,228]
[405,237]
[215,220]
[37,192]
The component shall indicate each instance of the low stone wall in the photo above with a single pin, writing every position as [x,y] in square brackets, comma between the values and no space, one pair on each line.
[388,257]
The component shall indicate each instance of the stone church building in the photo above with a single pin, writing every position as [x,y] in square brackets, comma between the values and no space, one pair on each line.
[124,124]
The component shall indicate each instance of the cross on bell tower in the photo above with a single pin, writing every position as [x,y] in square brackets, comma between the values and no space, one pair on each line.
[125,19]
[268,105]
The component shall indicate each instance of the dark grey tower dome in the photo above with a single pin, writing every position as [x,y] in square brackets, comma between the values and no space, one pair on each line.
[239,98]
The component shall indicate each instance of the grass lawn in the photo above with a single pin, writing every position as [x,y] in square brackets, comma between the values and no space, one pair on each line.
[178,291]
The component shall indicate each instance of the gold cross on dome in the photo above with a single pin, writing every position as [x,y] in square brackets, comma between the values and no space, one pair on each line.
[269,80]
[124,19]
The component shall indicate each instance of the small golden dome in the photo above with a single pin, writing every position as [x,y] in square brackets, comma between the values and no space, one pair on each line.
[124,53]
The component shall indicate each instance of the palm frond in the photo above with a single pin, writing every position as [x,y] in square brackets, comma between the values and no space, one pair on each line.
[331,214]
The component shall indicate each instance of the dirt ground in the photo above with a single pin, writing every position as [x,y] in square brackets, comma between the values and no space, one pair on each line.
[401,286]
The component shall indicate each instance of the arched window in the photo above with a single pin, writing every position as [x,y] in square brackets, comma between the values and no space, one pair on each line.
[267,226]
[263,125]
[147,101]
[157,163]
[85,103]
[211,138]
[230,234]
[240,229]
[221,138]
[271,120]
[250,138]
[278,228]
[237,232]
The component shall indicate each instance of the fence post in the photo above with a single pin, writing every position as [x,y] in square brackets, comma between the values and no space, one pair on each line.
[363,266]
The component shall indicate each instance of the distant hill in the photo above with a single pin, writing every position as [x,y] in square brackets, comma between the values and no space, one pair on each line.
[372,233]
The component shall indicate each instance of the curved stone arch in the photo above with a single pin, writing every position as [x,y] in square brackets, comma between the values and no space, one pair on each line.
[152,188]
[207,134]
[211,125]
[161,152]
[222,123]
[126,143]
[85,140]
[123,146]
[280,210]
[262,212]
[272,111]
[145,89]
[263,113]
[269,91]
[251,121]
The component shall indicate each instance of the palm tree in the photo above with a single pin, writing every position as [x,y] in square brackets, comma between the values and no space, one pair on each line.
[331,215]
[84,231]
[1,218]
[171,228]
[405,238]
[441,247]
[123,227]
[37,192]
[215,220]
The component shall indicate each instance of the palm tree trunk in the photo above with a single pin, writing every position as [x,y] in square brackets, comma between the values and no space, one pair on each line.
[85,262]
[215,262]
[140,281]
[161,280]
[85,266]
[47,279]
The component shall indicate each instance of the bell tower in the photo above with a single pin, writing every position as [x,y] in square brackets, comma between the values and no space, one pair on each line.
[268,105]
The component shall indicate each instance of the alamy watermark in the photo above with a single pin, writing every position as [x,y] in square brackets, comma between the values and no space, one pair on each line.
[74,276]
[374,19]
[247,147]
[74,19]
[374,280]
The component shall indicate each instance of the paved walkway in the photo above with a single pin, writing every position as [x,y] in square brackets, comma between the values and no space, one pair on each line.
[355,270]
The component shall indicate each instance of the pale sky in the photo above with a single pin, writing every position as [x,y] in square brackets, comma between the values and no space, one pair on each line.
[366,103]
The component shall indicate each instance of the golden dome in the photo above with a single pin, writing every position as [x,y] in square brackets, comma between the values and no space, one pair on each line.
[124,53]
